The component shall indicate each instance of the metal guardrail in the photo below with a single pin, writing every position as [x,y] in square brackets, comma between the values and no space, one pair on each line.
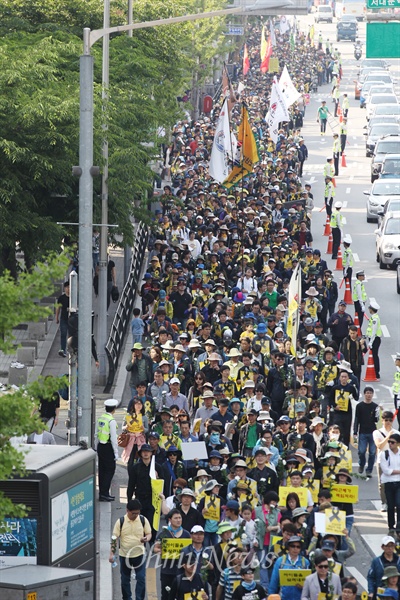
[122,317]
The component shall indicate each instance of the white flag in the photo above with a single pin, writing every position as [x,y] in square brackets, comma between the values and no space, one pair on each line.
[272,35]
[287,88]
[221,147]
[284,25]
[294,302]
[278,111]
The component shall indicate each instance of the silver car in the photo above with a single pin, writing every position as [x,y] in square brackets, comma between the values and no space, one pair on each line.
[376,132]
[381,191]
[388,241]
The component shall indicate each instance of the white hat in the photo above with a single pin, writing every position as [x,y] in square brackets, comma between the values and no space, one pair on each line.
[197,529]
[312,292]
[210,342]
[347,239]
[188,492]
[234,352]
[194,343]
[373,304]
[317,421]
[168,345]
[249,384]
[388,540]
[263,414]
[111,402]
[179,348]
[338,205]
[344,365]
[174,380]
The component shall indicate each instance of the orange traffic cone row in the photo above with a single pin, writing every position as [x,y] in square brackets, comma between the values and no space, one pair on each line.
[327,229]
[370,374]
[344,164]
[357,324]
[339,260]
[347,293]
[330,244]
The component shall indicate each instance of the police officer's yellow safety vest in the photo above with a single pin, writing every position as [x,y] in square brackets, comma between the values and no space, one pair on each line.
[335,219]
[396,383]
[348,259]
[359,293]
[375,319]
[103,427]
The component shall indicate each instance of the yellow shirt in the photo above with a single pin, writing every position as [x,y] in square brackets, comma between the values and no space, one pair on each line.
[130,535]
[134,423]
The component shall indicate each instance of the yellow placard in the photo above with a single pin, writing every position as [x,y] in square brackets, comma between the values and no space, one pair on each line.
[337,568]
[196,425]
[312,487]
[335,521]
[171,548]
[157,486]
[250,462]
[193,595]
[344,493]
[170,440]
[293,576]
[199,489]
[342,400]
[249,498]
[212,508]
[300,491]
[275,539]
[322,596]
[273,66]
[346,461]
[327,474]
[31,596]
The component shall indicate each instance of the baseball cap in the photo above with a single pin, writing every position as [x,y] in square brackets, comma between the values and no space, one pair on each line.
[388,539]
[197,529]
[174,380]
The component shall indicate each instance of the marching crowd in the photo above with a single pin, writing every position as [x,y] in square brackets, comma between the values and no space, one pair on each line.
[267,510]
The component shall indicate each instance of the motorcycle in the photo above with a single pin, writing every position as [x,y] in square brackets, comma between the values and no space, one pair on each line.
[357,52]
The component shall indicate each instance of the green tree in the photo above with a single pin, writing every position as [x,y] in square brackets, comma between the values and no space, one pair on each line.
[16,407]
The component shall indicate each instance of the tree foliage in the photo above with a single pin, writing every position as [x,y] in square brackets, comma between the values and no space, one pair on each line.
[39,109]
[16,407]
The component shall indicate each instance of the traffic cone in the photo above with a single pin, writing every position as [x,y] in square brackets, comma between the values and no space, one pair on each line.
[370,374]
[347,293]
[357,324]
[344,164]
[339,260]
[327,229]
[330,244]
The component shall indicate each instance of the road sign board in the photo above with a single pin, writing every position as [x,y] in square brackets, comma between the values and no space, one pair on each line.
[234,30]
[383,40]
[383,3]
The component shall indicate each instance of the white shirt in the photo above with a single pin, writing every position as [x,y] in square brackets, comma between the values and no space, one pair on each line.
[379,435]
[388,465]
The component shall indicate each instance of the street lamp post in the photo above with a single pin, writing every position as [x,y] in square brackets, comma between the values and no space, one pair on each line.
[86,171]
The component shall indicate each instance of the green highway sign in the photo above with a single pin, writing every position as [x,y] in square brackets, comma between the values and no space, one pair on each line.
[383,3]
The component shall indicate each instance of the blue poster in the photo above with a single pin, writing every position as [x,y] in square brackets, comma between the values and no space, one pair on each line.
[72,516]
[18,542]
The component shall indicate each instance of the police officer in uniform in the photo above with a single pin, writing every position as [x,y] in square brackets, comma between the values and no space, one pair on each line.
[359,296]
[336,226]
[374,333]
[348,259]
[107,449]
[336,152]
[329,194]
[343,136]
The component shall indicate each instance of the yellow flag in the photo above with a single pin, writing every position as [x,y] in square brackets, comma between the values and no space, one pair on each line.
[156,489]
[249,146]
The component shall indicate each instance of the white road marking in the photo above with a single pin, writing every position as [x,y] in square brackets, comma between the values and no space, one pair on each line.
[356,146]
[348,190]
[344,221]
[385,331]
[344,203]
[360,578]
[351,178]
[356,257]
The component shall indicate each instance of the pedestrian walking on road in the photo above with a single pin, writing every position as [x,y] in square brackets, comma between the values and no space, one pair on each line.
[374,334]
[322,117]
[390,465]
[107,449]
[133,531]
[359,296]
[337,228]
[366,418]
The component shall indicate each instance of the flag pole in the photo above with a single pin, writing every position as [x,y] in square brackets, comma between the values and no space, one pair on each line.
[243,225]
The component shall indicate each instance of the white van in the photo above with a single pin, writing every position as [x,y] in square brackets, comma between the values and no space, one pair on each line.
[324,13]
[356,8]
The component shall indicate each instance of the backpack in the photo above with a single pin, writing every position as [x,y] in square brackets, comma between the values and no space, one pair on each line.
[121,524]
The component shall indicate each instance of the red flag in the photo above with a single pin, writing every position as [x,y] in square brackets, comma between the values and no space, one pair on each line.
[246,61]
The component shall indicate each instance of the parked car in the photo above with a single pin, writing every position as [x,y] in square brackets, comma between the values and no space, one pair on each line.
[346,28]
[324,13]
[376,132]
[386,109]
[372,87]
[390,144]
[381,192]
[391,167]
[382,119]
[372,74]
[379,99]
[393,204]
[398,278]
[378,63]
[388,241]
